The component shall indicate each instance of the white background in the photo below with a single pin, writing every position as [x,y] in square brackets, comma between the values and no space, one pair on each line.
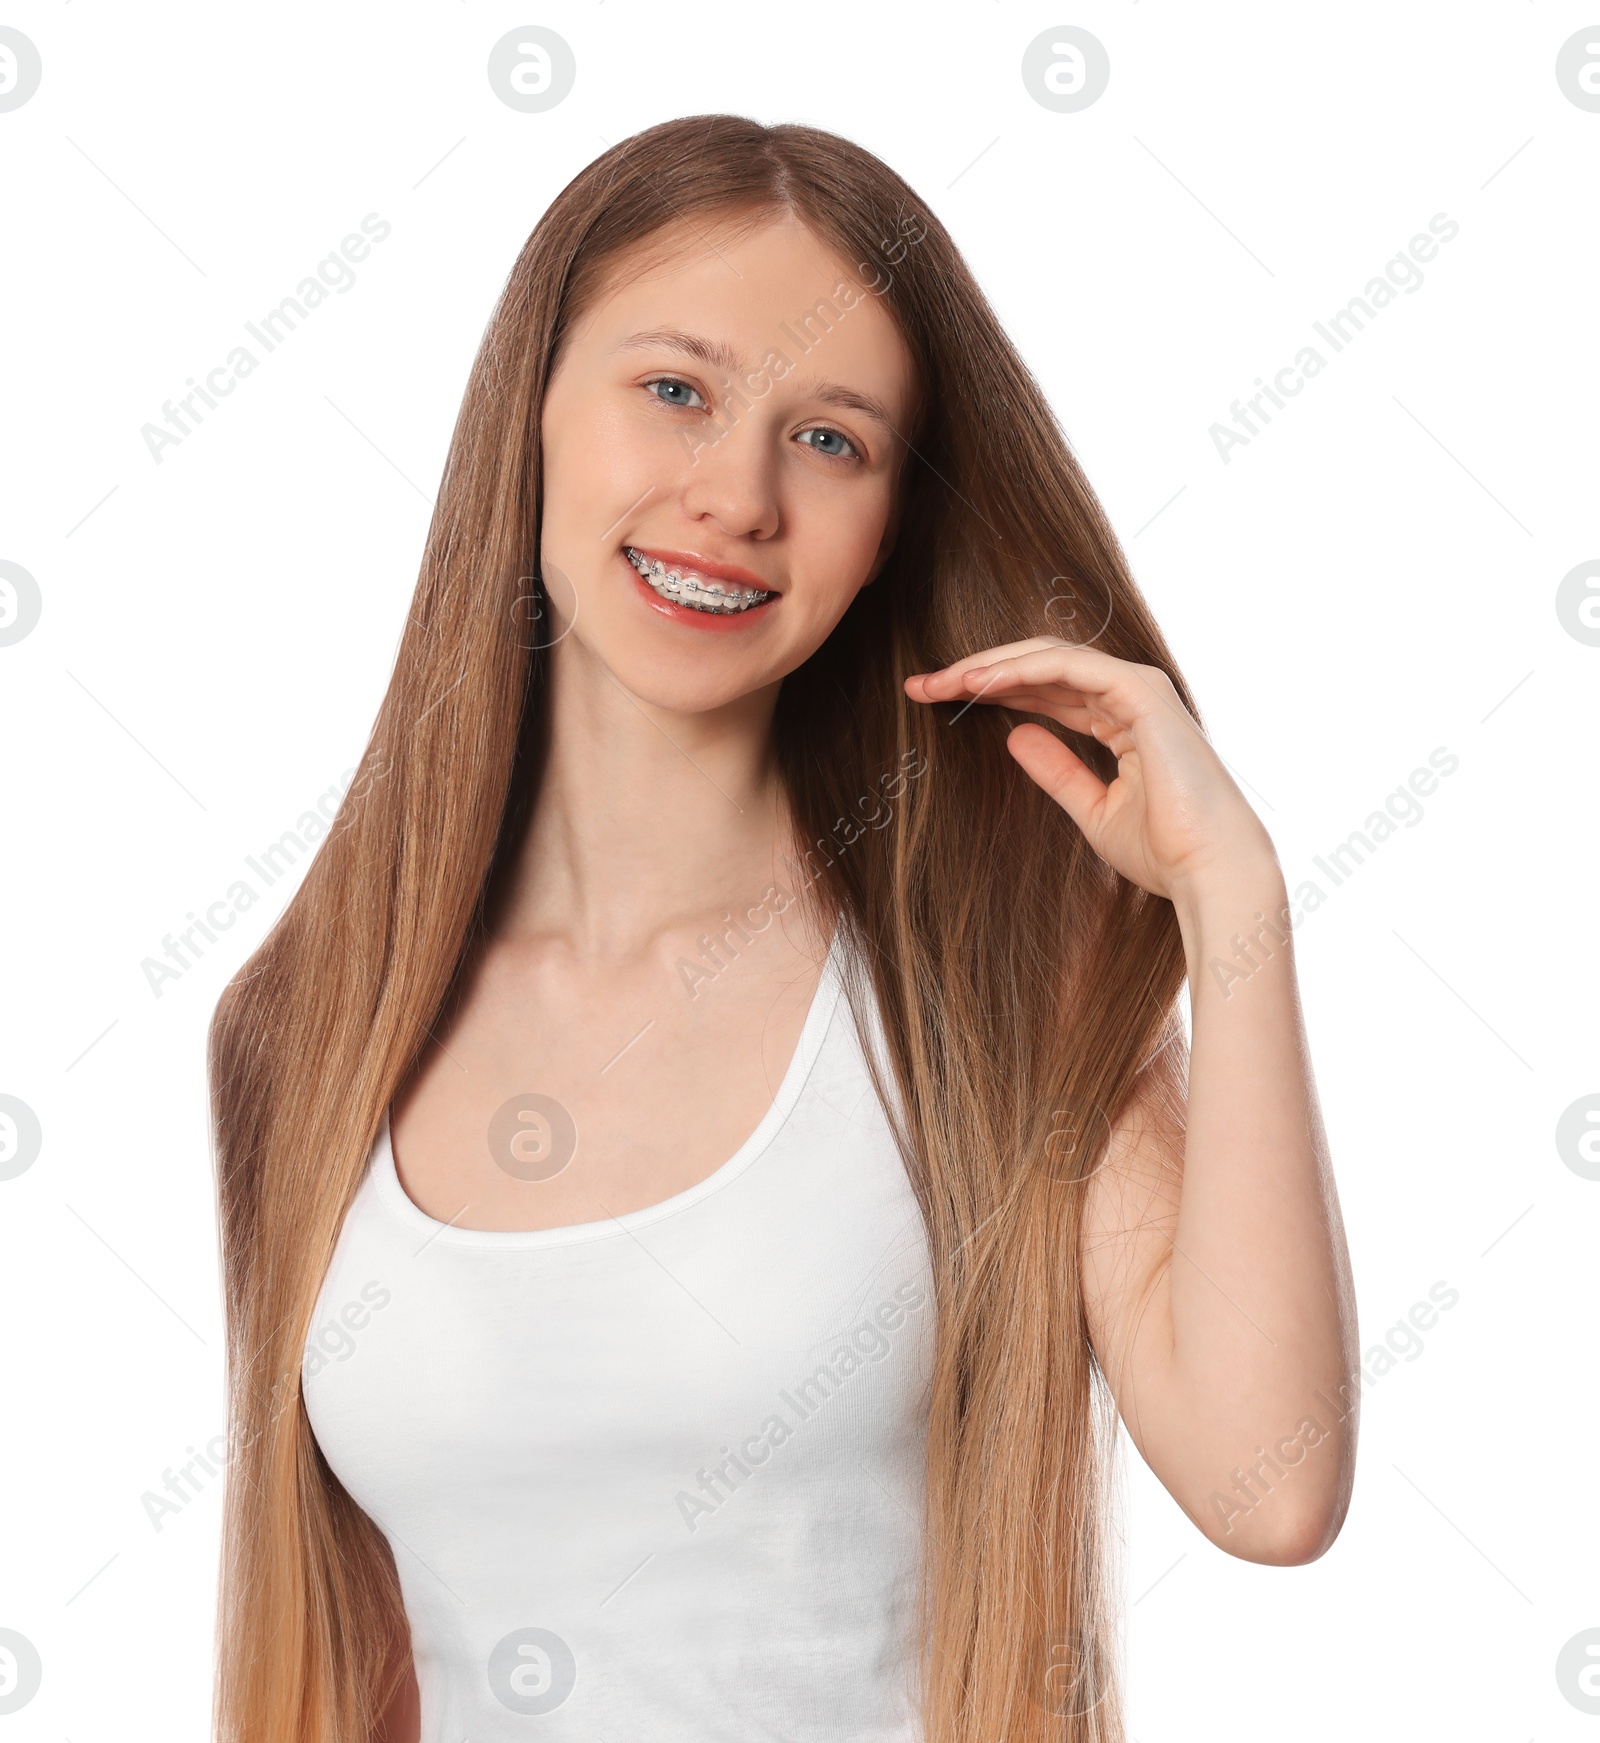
[1372,577]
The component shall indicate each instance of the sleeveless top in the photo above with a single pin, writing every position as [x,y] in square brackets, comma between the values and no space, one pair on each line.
[660,1476]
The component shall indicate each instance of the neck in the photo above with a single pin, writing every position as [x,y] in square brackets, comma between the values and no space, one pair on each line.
[646,820]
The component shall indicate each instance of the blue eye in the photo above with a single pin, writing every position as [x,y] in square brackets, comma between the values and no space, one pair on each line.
[674,392]
[819,438]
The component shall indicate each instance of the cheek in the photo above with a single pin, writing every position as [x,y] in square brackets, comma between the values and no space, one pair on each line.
[840,540]
[580,452]
[598,461]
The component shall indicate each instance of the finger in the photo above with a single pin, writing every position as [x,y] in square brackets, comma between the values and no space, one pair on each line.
[975,684]
[1069,781]
[1076,715]
[1119,688]
[987,656]
[1064,706]
[1038,697]
[917,688]
[1002,651]
[1084,669]
[1092,723]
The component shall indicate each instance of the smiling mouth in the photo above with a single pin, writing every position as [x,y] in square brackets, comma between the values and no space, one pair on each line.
[685,586]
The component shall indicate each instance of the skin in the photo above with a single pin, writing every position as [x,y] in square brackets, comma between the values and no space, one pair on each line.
[1216,1280]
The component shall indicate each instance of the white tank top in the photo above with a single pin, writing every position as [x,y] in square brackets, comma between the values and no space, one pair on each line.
[661,1476]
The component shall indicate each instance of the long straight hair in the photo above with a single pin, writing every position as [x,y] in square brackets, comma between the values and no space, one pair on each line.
[1022,984]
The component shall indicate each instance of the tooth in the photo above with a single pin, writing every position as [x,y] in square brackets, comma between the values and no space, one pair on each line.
[697,592]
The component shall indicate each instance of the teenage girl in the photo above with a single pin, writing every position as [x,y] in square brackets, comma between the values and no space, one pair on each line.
[710,1152]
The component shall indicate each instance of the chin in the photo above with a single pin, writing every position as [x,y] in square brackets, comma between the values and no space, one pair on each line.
[658,670]
[697,683]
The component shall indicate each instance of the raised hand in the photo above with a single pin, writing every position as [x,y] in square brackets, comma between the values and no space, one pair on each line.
[1173,818]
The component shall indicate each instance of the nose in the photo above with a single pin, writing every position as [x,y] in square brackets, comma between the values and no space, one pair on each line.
[731,481]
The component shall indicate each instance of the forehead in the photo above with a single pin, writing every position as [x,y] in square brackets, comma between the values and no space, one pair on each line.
[751,289]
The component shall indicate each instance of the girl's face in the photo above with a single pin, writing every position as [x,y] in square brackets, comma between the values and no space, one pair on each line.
[723,416]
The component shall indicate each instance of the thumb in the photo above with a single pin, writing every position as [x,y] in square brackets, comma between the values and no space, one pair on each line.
[1063,775]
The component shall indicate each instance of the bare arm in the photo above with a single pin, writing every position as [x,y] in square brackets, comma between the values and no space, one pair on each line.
[1216,1279]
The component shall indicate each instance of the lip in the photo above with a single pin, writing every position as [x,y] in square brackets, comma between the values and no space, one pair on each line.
[712,622]
[705,566]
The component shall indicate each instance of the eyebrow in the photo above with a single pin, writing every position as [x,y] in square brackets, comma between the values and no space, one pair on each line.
[716,354]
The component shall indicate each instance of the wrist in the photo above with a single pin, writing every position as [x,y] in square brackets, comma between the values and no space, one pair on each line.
[1227,895]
